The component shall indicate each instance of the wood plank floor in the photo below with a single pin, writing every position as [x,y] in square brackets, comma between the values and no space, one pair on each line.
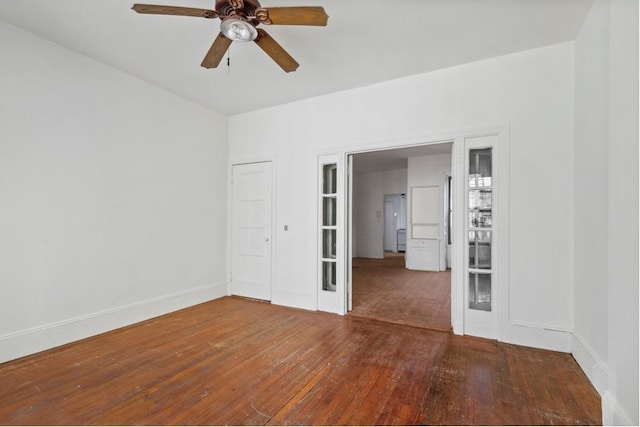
[384,289]
[241,362]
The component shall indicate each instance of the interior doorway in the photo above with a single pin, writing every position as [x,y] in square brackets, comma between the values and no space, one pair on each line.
[395,223]
[382,285]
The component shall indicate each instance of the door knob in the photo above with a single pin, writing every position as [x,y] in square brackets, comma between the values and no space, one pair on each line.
[266,239]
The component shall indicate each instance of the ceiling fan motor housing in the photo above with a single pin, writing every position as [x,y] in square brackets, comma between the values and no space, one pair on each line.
[239,8]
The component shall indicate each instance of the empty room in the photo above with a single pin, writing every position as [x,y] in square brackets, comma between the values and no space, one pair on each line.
[398,276]
[199,198]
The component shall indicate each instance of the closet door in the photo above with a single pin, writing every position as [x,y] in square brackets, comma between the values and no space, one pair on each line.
[251,231]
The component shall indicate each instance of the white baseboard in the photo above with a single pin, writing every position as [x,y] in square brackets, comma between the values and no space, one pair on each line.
[598,373]
[537,336]
[594,368]
[289,299]
[612,414]
[457,326]
[33,340]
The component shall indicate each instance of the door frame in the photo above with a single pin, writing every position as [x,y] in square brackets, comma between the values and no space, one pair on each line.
[229,224]
[348,191]
[458,219]
[393,198]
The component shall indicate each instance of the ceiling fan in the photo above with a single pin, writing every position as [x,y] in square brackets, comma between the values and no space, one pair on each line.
[240,19]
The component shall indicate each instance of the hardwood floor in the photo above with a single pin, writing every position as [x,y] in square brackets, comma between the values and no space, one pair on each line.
[242,362]
[384,289]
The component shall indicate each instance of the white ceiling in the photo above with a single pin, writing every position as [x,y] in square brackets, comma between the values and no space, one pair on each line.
[397,158]
[365,42]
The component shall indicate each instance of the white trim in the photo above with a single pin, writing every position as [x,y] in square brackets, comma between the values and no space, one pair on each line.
[251,159]
[503,216]
[548,339]
[39,338]
[457,237]
[594,368]
[612,412]
[539,326]
[348,161]
[413,142]
[404,141]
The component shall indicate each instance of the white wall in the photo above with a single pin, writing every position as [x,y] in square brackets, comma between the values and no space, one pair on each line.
[369,191]
[531,91]
[590,191]
[428,170]
[622,395]
[606,204]
[112,195]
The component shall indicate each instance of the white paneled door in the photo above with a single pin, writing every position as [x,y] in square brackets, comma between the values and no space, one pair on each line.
[251,231]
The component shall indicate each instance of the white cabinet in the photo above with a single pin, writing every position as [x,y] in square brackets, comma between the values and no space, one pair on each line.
[423,254]
[423,246]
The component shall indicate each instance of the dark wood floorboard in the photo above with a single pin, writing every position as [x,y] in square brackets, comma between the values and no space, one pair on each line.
[241,362]
[383,289]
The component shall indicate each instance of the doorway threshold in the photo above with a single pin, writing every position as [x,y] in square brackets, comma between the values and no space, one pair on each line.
[402,322]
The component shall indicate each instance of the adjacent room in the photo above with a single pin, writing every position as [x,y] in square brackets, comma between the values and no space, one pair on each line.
[396,277]
[319,213]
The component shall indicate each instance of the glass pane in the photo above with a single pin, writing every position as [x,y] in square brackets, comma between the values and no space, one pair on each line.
[480,208]
[480,218]
[329,179]
[328,276]
[480,168]
[329,211]
[480,199]
[480,249]
[480,291]
[329,244]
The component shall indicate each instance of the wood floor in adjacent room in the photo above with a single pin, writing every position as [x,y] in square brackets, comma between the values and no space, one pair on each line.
[383,289]
[242,362]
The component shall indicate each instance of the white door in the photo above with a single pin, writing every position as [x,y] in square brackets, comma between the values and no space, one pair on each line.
[389,226]
[251,231]
[481,237]
[331,231]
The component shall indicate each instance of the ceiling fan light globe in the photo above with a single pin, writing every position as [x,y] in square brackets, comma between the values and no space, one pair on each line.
[238,30]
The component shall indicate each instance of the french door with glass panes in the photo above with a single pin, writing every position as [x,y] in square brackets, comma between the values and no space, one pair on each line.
[480,263]
[330,235]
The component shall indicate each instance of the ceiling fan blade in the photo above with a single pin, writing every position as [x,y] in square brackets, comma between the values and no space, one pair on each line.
[300,15]
[275,51]
[216,52]
[156,9]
